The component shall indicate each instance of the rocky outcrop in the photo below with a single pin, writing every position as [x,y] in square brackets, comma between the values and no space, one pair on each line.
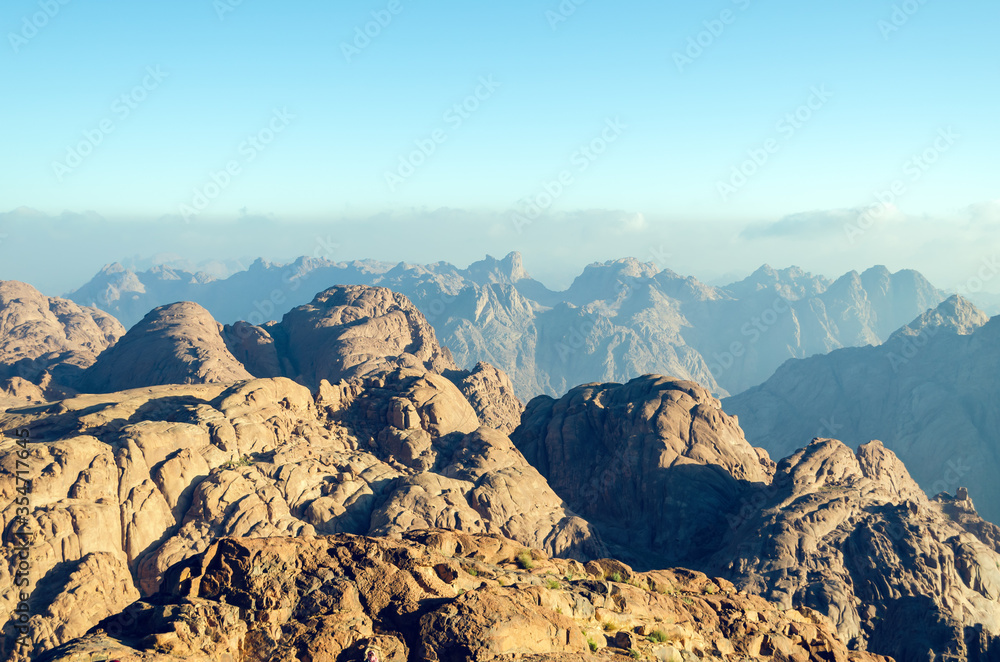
[438,595]
[926,393]
[176,344]
[655,463]
[491,394]
[128,484]
[46,343]
[667,478]
[352,331]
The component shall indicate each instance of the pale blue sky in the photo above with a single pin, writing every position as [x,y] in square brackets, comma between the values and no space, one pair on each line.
[684,131]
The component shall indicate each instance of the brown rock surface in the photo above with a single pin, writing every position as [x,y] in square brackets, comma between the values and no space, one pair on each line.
[849,535]
[176,344]
[440,596]
[351,331]
[47,341]
[150,477]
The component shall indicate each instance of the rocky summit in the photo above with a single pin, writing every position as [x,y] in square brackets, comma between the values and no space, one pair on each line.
[333,482]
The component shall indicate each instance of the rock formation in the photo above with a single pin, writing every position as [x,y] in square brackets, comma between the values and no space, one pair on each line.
[176,344]
[926,393]
[442,596]
[127,484]
[667,478]
[46,343]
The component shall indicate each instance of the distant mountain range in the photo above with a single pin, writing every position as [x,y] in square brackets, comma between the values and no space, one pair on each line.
[929,393]
[617,320]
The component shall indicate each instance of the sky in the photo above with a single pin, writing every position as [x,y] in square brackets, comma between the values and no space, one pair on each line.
[710,137]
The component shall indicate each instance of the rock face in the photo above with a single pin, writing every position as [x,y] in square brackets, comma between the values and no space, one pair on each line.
[655,463]
[345,333]
[438,595]
[46,343]
[667,478]
[618,320]
[176,344]
[352,331]
[127,484]
[926,393]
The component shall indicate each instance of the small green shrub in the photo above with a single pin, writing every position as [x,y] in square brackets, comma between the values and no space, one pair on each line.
[658,636]
[472,571]
[593,645]
[609,626]
[633,653]
[525,561]
[552,584]
[616,577]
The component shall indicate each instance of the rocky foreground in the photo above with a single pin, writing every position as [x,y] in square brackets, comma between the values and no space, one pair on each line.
[444,596]
[209,510]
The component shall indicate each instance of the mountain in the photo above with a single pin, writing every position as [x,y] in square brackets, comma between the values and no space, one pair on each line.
[927,393]
[668,479]
[46,343]
[233,513]
[617,320]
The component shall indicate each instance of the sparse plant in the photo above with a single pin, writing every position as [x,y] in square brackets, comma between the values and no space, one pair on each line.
[616,577]
[609,626]
[472,571]
[525,561]
[552,584]
[633,653]
[688,601]
[658,636]
[558,610]
[592,644]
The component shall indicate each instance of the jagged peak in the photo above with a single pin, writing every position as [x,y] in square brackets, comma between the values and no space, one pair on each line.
[955,314]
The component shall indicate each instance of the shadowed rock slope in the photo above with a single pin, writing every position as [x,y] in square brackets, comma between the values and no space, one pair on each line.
[668,479]
[928,393]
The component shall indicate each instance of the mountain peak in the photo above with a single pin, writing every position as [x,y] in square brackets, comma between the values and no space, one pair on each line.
[509,270]
[955,314]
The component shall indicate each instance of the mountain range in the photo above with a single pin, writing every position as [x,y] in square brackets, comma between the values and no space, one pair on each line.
[618,320]
[334,481]
[928,393]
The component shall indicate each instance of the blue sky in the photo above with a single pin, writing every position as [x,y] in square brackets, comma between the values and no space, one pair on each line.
[887,92]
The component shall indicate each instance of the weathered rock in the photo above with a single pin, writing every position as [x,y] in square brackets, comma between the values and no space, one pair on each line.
[153,476]
[847,534]
[47,342]
[325,598]
[176,344]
